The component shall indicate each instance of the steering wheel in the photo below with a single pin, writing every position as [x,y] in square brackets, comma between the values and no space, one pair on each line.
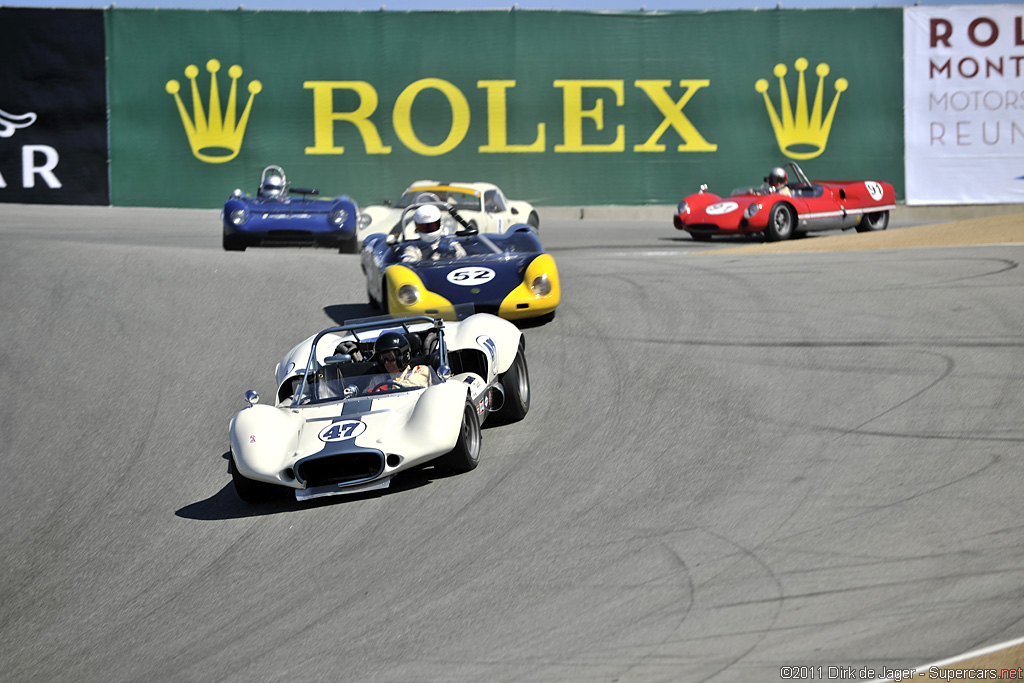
[384,386]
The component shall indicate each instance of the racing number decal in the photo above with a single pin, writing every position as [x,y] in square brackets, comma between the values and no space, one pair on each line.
[874,189]
[490,347]
[720,208]
[340,431]
[470,276]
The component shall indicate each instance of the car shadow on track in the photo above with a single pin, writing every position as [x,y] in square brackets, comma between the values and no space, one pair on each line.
[339,313]
[225,504]
[752,238]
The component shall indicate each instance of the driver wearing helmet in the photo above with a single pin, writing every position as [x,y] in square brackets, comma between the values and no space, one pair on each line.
[273,187]
[393,352]
[777,182]
[432,242]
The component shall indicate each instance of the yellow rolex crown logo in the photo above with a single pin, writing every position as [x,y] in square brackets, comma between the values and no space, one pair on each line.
[801,135]
[214,134]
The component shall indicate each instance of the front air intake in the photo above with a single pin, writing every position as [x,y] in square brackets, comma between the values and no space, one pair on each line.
[340,468]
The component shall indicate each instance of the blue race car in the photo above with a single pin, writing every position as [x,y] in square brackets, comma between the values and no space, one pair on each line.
[507,274]
[273,218]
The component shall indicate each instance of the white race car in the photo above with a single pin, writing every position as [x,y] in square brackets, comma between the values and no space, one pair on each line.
[483,205]
[341,424]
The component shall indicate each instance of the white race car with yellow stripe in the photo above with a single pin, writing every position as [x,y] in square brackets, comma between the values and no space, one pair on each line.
[483,205]
[337,427]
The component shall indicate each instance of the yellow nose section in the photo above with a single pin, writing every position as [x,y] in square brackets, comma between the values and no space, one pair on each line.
[524,302]
[426,301]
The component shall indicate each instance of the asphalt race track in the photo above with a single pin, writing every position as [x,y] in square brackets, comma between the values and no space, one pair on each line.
[732,464]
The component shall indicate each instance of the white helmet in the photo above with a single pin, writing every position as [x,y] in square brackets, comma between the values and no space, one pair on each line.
[428,222]
[273,187]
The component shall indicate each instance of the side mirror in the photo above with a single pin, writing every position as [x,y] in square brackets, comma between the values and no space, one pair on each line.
[444,372]
[252,398]
[351,390]
[340,358]
[391,239]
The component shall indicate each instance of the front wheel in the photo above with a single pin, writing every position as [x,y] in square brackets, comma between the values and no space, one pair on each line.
[466,454]
[384,305]
[516,385]
[232,243]
[349,246]
[252,491]
[534,221]
[870,222]
[780,223]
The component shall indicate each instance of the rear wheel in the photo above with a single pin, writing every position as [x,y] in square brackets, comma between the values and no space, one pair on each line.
[780,223]
[871,222]
[252,491]
[466,454]
[516,385]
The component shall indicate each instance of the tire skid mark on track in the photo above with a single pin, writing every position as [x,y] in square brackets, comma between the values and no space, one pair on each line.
[990,462]
[950,365]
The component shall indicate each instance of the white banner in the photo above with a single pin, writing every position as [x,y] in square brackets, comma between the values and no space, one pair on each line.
[963,97]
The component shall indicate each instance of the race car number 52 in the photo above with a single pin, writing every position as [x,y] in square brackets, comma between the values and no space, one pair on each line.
[470,276]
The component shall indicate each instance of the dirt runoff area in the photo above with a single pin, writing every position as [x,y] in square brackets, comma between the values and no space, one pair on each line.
[1007,229]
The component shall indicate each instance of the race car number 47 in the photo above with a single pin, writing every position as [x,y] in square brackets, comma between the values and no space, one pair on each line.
[470,276]
[340,431]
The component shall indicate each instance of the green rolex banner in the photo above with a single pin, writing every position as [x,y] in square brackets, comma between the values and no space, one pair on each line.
[559,108]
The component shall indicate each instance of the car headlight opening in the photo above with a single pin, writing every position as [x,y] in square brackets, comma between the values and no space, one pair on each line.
[239,216]
[751,210]
[364,221]
[339,216]
[540,285]
[681,208]
[408,295]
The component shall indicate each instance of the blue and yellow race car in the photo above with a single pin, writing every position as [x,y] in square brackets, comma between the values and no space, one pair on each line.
[274,218]
[507,274]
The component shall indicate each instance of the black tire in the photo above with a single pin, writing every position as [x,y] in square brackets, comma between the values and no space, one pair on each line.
[349,246]
[515,382]
[534,221]
[232,243]
[780,223]
[871,222]
[466,454]
[252,491]
[384,295]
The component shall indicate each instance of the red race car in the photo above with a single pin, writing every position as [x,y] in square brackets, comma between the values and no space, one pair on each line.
[787,203]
